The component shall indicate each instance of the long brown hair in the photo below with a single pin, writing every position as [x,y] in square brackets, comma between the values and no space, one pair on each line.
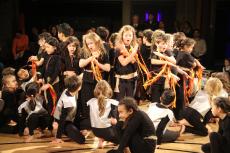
[101,92]
[98,42]
[125,28]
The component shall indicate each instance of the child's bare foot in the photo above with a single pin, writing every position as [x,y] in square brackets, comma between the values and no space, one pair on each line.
[182,129]
[100,143]
[12,123]
[29,138]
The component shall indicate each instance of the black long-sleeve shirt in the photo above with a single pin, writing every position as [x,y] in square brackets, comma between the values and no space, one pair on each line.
[52,68]
[71,63]
[140,124]
[224,130]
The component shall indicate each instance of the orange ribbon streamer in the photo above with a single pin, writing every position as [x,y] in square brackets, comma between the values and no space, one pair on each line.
[96,72]
[54,97]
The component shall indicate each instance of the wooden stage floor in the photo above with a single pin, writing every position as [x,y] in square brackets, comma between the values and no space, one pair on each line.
[13,144]
[10,143]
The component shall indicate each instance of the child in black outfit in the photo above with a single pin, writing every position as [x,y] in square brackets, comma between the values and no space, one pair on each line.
[136,129]
[220,141]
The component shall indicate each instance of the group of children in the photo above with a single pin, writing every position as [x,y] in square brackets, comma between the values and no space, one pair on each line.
[75,88]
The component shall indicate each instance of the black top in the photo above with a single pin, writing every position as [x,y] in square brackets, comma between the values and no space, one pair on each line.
[71,63]
[224,130]
[122,70]
[185,59]
[157,67]
[52,68]
[88,76]
[112,54]
[12,101]
[145,52]
[139,124]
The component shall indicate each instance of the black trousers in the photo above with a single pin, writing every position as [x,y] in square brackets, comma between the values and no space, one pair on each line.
[35,120]
[85,95]
[180,101]
[73,132]
[196,120]
[126,88]
[108,134]
[157,89]
[139,145]
[216,144]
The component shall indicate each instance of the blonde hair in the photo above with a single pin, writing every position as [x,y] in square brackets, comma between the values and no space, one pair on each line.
[101,92]
[98,42]
[213,87]
[224,78]
[5,80]
[125,28]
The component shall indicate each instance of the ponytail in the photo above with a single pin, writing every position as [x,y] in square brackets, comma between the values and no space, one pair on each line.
[101,104]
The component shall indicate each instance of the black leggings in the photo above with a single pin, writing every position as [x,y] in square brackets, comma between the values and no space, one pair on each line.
[108,134]
[126,88]
[36,120]
[139,145]
[157,89]
[73,132]
[216,144]
[196,120]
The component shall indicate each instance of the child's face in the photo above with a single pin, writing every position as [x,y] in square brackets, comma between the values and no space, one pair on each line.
[91,45]
[215,110]
[226,62]
[49,48]
[24,74]
[123,112]
[12,83]
[71,48]
[161,46]
[41,42]
[188,48]
[127,37]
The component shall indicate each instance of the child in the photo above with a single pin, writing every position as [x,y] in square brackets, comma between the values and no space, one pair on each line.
[138,132]
[66,111]
[13,96]
[197,115]
[161,115]
[103,113]
[185,60]
[31,112]
[226,67]
[39,59]
[93,57]
[159,57]
[51,71]
[125,63]
[71,56]
[145,51]
[24,78]
[112,50]
[220,141]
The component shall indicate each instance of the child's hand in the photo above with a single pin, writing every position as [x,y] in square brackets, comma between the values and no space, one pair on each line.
[113,121]
[45,87]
